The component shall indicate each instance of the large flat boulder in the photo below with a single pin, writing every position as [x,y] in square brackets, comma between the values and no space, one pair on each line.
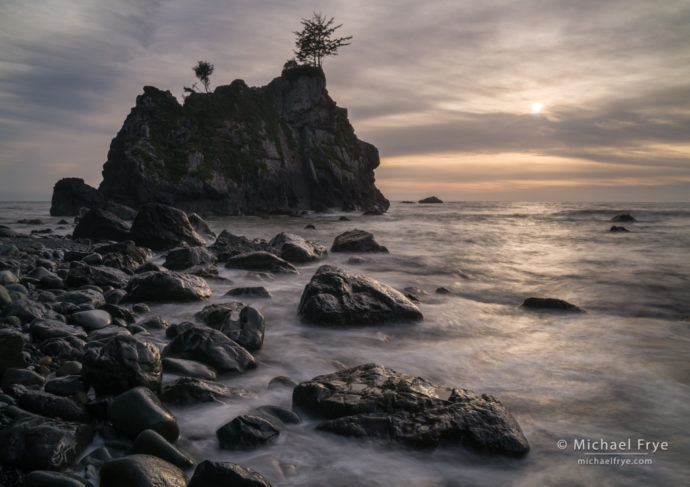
[377,402]
[337,297]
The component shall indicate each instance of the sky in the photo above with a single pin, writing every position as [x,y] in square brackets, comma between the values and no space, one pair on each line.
[549,100]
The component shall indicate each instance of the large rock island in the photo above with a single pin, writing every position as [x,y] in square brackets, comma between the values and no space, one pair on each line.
[280,148]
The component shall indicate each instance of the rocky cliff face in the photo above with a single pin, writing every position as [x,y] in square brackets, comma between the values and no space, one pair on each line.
[283,147]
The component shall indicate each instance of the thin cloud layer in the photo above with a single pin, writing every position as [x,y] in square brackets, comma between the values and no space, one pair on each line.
[444,89]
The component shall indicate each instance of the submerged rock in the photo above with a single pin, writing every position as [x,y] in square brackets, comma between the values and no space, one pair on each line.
[225,474]
[357,241]
[337,297]
[550,303]
[190,390]
[161,227]
[248,330]
[373,401]
[141,471]
[167,286]
[245,432]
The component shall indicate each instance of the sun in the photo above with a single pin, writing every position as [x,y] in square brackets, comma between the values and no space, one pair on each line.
[537,106]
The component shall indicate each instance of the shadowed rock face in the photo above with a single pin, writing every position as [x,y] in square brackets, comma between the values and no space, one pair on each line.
[376,402]
[337,297]
[284,147]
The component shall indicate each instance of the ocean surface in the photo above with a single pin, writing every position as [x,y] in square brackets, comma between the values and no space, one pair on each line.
[619,371]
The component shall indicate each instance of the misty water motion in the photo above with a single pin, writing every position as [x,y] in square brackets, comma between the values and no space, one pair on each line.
[618,371]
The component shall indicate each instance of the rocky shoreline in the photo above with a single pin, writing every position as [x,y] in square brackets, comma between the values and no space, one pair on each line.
[82,355]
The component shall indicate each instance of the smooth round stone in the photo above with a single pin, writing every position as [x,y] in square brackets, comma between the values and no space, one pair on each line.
[71,367]
[93,259]
[139,409]
[7,277]
[141,471]
[151,443]
[93,319]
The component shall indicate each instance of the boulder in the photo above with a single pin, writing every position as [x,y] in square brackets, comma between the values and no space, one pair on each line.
[295,249]
[125,256]
[212,348]
[65,348]
[430,200]
[357,241]
[624,218]
[225,474]
[141,471]
[551,304]
[71,194]
[190,390]
[228,245]
[248,330]
[98,224]
[93,319]
[11,348]
[259,292]
[337,297]
[67,385]
[260,261]
[33,442]
[376,402]
[186,257]
[149,442]
[119,362]
[162,227]
[83,296]
[246,432]
[42,329]
[139,409]
[188,368]
[124,315]
[81,274]
[214,315]
[166,287]
[52,406]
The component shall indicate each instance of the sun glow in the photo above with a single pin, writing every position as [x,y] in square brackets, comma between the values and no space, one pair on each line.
[536,107]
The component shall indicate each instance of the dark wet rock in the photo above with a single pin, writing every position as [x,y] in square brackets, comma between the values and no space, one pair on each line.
[141,308]
[24,377]
[44,329]
[295,249]
[141,471]
[281,382]
[81,274]
[442,290]
[11,348]
[309,226]
[248,330]
[407,202]
[214,315]
[550,303]
[83,296]
[33,442]
[70,367]
[208,271]
[150,442]
[65,348]
[26,310]
[212,348]
[161,227]
[191,390]
[377,402]
[624,218]
[246,432]
[93,258]
[45,478]
[337,297]
[430,200]
[200,226]
[45,278]
[93,319]
[186,257]
[166,287]
[277,414]
[119,362]
[153,323]
[357,241]
[343,219]
[228,245]
[188,368]
[98,224]
[614,228]
[139,409]
[260,261]
[114,296]
[68,385]
[71,194]
[177,328]
[125,256]
[52,406]
[119,312]
[226,474]
[250,292]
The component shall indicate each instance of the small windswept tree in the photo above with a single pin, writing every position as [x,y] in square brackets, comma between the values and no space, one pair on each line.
[314,42]
[203,70]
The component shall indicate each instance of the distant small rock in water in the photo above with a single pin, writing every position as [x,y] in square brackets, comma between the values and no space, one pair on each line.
[623,217]
[407,202]
[343,219]
[430,199]
[550,303]
[442,290]
[614,228]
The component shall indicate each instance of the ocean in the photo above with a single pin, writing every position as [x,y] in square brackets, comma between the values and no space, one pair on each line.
[617,373]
